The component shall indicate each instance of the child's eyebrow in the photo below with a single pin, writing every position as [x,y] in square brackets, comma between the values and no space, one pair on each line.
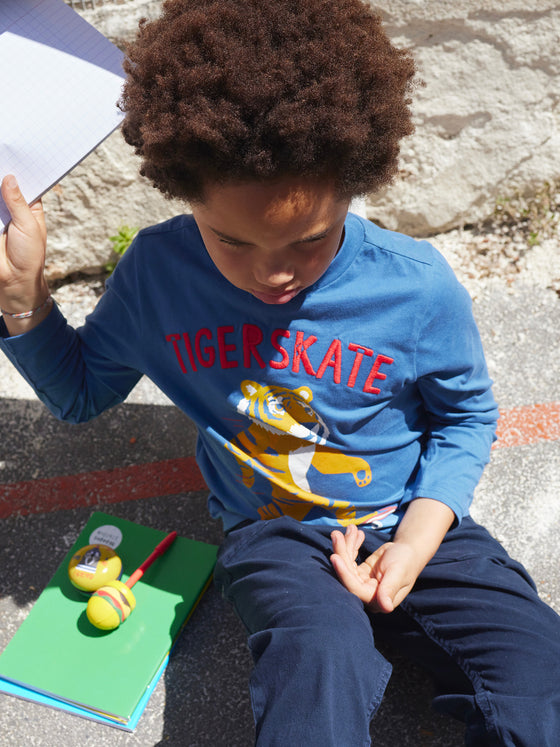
[315,236]
[305,239]
[225,236]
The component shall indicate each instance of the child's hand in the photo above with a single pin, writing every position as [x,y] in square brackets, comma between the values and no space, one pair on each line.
[384,579]
[22,252]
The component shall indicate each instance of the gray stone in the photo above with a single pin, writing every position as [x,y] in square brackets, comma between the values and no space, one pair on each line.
[487,126]
[102,194]
[487,118]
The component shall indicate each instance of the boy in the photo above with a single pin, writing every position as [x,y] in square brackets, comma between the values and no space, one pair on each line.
[333,369]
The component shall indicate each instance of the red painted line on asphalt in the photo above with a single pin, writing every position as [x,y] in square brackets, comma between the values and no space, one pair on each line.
[168,477]
[520,426]
[517,427]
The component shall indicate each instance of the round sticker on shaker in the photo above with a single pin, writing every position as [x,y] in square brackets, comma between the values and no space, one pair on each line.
[106,535]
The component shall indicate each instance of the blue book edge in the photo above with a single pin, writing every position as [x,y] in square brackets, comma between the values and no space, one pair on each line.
[25,693]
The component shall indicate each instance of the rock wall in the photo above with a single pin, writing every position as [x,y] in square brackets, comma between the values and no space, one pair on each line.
[487,124]
[488,117]
[105,191]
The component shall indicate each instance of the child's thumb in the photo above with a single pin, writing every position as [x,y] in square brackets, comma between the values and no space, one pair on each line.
[385,598]
[15,201]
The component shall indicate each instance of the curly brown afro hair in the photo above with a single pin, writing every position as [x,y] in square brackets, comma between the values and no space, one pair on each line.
[242,90]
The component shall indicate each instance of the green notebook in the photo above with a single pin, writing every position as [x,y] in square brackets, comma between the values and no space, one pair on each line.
[57,652]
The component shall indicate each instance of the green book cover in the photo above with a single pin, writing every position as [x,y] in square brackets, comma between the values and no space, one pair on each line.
[57,651]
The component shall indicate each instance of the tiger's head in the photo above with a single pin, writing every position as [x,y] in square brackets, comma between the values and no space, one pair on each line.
[283,411]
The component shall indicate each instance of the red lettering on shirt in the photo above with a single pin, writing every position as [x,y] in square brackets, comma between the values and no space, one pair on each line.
[333,358]
[374,374]
[283,352]
[252,336]
[173,339]
[300,353]
[224,348]
[201,350]
[360,351]
[206,356]
[188,346]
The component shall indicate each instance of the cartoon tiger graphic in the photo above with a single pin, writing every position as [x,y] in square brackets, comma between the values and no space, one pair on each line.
[285,439]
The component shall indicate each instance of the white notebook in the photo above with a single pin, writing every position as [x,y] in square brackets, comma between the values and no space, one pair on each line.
[60,83]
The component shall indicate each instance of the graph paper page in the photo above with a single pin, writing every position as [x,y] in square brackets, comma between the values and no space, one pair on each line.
[61,80]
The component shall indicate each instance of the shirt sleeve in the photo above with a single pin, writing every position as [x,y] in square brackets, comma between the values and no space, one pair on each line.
[79,373]
[454,384]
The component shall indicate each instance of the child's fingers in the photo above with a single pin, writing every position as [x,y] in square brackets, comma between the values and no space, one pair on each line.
[352,539]
[357,579]
[341,548]
[350,578]
[20,211]
[358,540]
[38,213]
[22,245]
[393,588]
[348,544]
[346,576]
[384,600]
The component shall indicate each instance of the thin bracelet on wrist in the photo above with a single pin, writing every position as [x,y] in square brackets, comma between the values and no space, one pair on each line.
[27,314]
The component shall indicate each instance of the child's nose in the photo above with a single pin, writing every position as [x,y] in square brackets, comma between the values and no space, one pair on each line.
[273,273]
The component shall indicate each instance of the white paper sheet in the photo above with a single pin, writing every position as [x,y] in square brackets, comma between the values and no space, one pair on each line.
[59,86]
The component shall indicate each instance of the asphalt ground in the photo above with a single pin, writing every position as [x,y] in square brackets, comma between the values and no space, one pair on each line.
[136,461]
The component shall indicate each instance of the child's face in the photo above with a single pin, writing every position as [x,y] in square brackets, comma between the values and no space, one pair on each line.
[273,239]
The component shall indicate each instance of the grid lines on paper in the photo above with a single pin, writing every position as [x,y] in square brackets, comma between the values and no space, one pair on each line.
[62,96]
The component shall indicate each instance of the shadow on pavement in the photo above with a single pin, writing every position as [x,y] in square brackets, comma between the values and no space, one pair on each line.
[206,699]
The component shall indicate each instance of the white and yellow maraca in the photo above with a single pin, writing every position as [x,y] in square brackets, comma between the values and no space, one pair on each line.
[94,566]
[111,604]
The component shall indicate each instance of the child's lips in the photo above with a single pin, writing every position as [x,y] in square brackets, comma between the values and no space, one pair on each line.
[276,297]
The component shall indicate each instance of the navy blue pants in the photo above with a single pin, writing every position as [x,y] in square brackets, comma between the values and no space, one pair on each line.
[473,619]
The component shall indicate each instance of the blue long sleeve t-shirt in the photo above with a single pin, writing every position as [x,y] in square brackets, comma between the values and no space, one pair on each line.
[365,391]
